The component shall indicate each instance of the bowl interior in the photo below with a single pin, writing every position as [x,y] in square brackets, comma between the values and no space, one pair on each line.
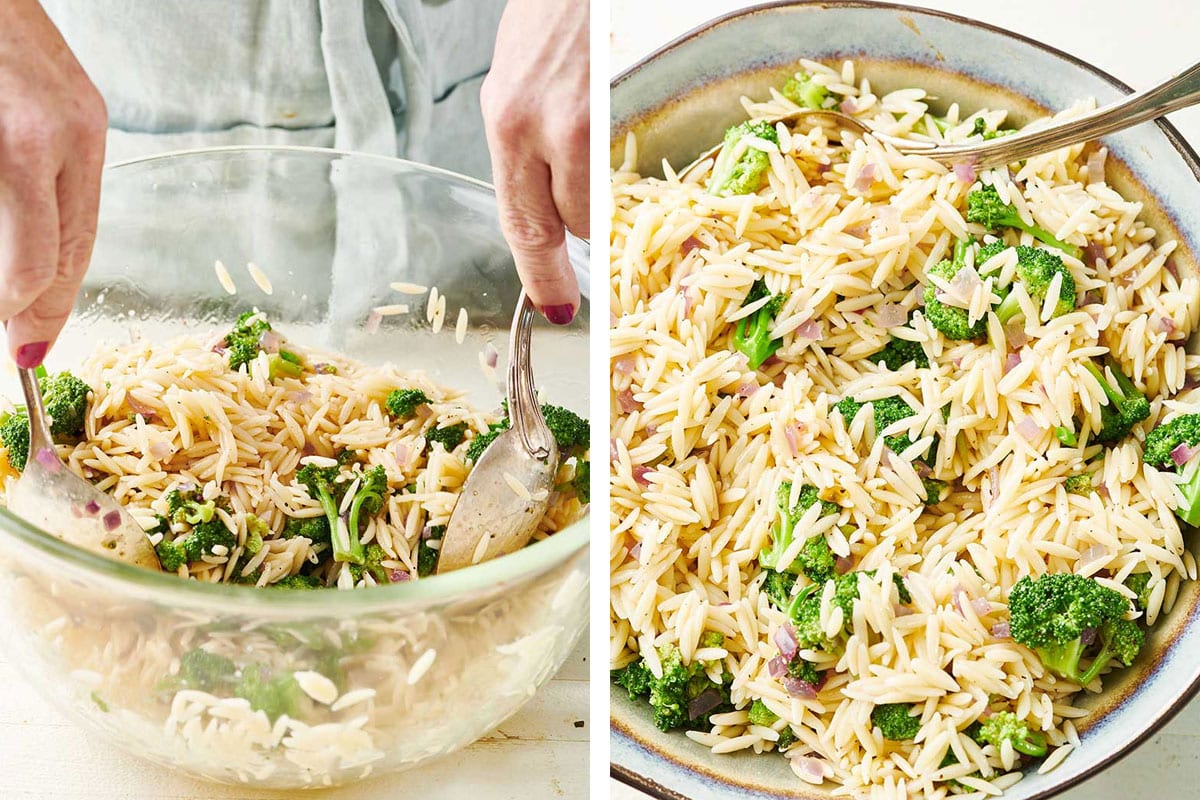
[679,101]
[332,232]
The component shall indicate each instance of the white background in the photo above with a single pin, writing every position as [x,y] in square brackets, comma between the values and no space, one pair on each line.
[1138,41]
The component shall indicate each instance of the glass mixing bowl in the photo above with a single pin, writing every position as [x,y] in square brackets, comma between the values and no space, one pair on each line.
[421,668]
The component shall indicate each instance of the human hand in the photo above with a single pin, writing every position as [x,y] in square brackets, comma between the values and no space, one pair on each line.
[52,128]
[535,111]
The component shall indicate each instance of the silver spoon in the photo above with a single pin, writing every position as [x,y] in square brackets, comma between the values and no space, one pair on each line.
[61,503]
[506,494]
[1179,91]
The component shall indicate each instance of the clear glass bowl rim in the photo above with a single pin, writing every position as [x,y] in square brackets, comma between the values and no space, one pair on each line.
[530,561]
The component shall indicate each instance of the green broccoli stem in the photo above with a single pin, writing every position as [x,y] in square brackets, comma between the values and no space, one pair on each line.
[1063,659]
[1102,660]
[753,337]
[1033,745]
[345,547]
[1042,235]
[356,548]
[1188,509]
[1008,308]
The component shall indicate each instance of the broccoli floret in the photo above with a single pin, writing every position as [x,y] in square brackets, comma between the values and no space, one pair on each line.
[321,485]
[188,506]
[242,343]
[297,582]
[403,403]
[427,557]
[951,321]
[1004,726]
[635,677]
[896,721]
[1066,436]
[368,500]
[200,669]
[815,559]
[753,334]
[981,129]
[171,555]
[986,253]
[712,639]
[1126,405]
[734,174]
[759,714]
[802,90]
[1078,484]
[778,588]
[1183,430]
[1166,436]
[1050,615]
[898,352]
[806,671]
[14,435]
[284,365]
[256,532]
[274,695]
[787,738]
[985,207]
[671,695]
[205,536]
[448,437]
[1036,269]
[845,592]
[373,556]
[66,401]
[581,482]
[316,529]
[571,431]
[1139,583]
[804,611]
[885,411]
[482,441]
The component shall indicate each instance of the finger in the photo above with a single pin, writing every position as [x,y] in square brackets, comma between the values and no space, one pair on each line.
[570,181]
[78,196]
[29,237]
[534,230]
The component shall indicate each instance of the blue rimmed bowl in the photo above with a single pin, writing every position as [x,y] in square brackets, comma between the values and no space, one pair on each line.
[680,99]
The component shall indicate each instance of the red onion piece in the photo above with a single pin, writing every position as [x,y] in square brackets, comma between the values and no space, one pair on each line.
[1102,490]
[792,433]
[1183,453]
[374,320]
[1029,429]
[269,342]
[427,532]
[771,361]
[923,470]
[866,176]
[220,347]
[959,594]
[798,688]
[844,564]
[91,508]
[639,475]
[1170,266]
[963,285]
[688,302]
[324,369]
[1091,298]
[858,231]
[747,389]
[811,330]
[635,552]
[1001,630]
[848,106]
[1011,361]
[823,168]
[777,667]
[399,576]
[111,520]
[890,315]
[1014,333]
[703,703]
[160,450]
[491,356]
[1093,255]
[1096,553]
[139,408]
[1095,165]
[689,244]
[49,460]
[981,606]
[623,365]
[400,451]
[1165,324]
[651,429]
[1088,637]
[627,403]
[613,453]
[965,172]
[785,639]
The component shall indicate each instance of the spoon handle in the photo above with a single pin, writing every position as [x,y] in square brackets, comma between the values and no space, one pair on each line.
[39,428]
[1180,91]
[523,407]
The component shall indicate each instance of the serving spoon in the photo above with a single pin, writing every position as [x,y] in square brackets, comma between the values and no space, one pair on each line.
[505,496]
[1179,91]
[52,497]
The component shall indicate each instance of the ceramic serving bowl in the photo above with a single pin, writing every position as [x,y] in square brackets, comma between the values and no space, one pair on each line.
[679,100]
[429,665]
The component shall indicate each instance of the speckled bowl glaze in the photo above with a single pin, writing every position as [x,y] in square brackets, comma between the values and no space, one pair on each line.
[679,100]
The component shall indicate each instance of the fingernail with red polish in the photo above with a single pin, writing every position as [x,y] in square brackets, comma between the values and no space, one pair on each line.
[559,315]
[30,356]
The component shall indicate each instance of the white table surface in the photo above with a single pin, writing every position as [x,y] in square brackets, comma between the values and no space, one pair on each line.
[1139,42]
[538,753]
